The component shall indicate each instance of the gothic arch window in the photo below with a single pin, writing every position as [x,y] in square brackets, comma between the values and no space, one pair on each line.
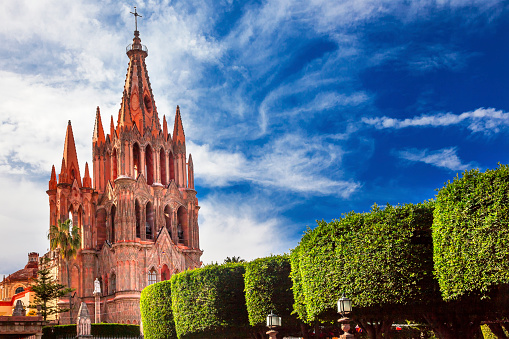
[162,163]
[149,221]
[101,227]
[152,276]
[113,283]
[149,165]
[136,160]
[112,233]
[19,290]
[148,103]
[137,211]
[165,273]
[167,218]
[105,285]
[172,166]
[182,229]
[114,164]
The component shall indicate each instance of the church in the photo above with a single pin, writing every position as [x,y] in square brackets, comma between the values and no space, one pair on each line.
[138,212]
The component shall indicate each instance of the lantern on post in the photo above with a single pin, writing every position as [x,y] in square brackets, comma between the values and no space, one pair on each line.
[345,308]
[273,321]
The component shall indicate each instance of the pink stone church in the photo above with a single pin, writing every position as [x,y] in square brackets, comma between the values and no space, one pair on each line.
[138,214]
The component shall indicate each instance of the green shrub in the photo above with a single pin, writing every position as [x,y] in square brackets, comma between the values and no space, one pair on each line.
[299,306]
[268,288]
[51,332]
[471,233]
[156,311]
[382,260]
[209,302]
[115,329]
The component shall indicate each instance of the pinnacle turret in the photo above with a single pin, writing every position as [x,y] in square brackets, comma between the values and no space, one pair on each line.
[178,129]
[98,136]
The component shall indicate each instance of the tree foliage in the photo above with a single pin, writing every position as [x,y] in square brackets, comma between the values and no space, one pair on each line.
[68,240]
[268,288]
[156,311]
[382,260]
[47,292]
[471,233]
[210,302]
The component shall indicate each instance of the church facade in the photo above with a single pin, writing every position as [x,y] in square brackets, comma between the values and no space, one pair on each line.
[138,212]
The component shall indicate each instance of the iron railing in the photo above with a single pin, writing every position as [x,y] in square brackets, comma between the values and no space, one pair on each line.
[132,47]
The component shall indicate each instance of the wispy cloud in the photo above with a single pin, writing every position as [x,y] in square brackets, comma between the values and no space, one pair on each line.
[444,158]
[482,120]
[292,163]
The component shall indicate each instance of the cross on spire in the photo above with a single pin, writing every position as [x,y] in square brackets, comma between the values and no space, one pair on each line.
[136,15]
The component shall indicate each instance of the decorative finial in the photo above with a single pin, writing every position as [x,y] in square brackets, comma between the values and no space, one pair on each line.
[136,15]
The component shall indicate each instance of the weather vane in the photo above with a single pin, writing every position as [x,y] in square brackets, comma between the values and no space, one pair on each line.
[136,15]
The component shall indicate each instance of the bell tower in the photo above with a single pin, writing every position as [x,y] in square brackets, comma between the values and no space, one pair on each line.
[139,214]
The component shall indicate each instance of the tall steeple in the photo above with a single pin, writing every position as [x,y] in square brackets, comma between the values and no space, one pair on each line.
[71,157]
[138,105]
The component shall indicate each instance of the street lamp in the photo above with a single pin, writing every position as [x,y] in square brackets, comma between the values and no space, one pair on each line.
[345,308]
[273,321]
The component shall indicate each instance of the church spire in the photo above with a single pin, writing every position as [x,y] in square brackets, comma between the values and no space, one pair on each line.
[178,129]
[71,157]
[138,105]
[98,136]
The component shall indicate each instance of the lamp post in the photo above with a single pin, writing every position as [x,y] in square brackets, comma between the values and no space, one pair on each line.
[345,308]
[273,321]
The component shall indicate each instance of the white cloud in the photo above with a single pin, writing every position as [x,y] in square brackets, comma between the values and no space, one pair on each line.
[23,221]
[237,225]
[482,120]
[444,158]
[291,163]
[34,120]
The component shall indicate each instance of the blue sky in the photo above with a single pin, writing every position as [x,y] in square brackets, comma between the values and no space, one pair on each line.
[293,110]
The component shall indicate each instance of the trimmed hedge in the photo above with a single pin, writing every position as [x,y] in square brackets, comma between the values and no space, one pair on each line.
[471,233]
[156,311]
[380,259]
[299,306]
[268,288]
[96,329]
[209,302]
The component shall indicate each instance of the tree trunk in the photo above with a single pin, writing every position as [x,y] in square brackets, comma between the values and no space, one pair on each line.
[453,327]
[376,330]
[70,293]
[304,330]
